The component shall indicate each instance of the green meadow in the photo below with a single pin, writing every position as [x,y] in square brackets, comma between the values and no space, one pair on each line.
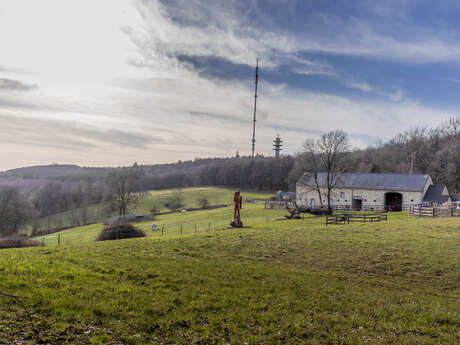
[153,199]
[275,282]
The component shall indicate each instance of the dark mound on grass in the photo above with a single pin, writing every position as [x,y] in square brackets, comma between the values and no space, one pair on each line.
[17,242]
[119,232]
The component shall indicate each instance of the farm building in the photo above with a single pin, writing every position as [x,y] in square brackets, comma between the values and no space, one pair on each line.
[394,192]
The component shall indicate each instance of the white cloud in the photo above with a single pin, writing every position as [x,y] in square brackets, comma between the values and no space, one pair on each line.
[112,89]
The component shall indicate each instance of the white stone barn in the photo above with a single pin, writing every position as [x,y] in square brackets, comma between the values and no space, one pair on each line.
[393,192]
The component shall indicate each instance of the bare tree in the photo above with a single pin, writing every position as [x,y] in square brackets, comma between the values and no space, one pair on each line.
[123,190]
[175,202]
[327,155]
[15,211]
[203,201]
[313,163]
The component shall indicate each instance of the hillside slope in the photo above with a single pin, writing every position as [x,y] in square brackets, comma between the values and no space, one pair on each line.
[154,199]
[281,282]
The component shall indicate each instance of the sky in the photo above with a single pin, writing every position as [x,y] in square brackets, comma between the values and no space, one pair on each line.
[111,82]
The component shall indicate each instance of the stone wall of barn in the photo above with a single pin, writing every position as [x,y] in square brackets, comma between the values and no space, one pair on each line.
[344,197]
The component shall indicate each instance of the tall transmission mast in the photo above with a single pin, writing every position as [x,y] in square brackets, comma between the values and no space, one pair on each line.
[255,110]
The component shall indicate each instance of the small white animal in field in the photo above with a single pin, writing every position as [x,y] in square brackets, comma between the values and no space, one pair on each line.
[183,211]
[155,226]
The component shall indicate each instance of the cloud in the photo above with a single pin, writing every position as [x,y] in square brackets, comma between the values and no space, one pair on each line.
[16,85]
[123,93]
[311,67]
[68,135]
[395,95]
[229,30]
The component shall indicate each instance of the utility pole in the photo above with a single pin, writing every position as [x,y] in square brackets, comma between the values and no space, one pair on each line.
[255,110]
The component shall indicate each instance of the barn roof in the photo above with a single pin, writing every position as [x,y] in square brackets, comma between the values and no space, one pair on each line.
[436,193]
[396,182]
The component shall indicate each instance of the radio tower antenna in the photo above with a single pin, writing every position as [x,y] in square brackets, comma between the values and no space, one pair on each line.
[255,110]
[277,144]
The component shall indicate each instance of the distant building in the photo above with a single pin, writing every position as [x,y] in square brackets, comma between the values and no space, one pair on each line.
[394,192]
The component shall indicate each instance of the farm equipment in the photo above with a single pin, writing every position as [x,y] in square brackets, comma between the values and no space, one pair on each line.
[295,211]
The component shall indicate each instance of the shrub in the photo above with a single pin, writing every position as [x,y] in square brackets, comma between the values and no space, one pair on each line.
[203,202]
[17,242]
[175,202]
[120,231]
[154,209]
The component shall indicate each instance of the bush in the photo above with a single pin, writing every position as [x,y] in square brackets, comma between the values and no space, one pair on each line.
[17,242]
[119,232]
[175,202]
[203,202]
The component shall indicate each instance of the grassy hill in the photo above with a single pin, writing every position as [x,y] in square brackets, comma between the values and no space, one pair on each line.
[277,282]
[191,197]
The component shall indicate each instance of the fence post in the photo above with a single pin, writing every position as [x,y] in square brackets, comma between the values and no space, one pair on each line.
[59,239]
[43,242]
[162,229]
[181,229]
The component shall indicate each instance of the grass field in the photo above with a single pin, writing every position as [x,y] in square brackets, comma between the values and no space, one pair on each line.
[191,197]
[277,282]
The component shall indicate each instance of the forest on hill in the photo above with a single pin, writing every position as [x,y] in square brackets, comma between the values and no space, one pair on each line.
[48,190]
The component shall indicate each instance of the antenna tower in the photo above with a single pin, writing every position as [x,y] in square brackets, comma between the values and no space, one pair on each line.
[255,110]
[277,144]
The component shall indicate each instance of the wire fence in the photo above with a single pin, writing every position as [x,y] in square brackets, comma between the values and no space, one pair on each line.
[71,237]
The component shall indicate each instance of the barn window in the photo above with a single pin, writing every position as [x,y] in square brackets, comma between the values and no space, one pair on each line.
[365,200]
[342,195]
[346,200]
[375,200]
[411,200]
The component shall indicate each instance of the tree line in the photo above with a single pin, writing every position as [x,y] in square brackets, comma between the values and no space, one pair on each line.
[434,151]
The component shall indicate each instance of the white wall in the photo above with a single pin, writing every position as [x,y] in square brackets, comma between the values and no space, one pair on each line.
[370,197]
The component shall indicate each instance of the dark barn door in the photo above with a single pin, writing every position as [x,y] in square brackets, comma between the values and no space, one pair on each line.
[393,201]
[357,204]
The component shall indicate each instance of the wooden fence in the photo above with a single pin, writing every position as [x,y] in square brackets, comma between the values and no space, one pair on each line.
[349,218]
[432,211]
[368,208]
